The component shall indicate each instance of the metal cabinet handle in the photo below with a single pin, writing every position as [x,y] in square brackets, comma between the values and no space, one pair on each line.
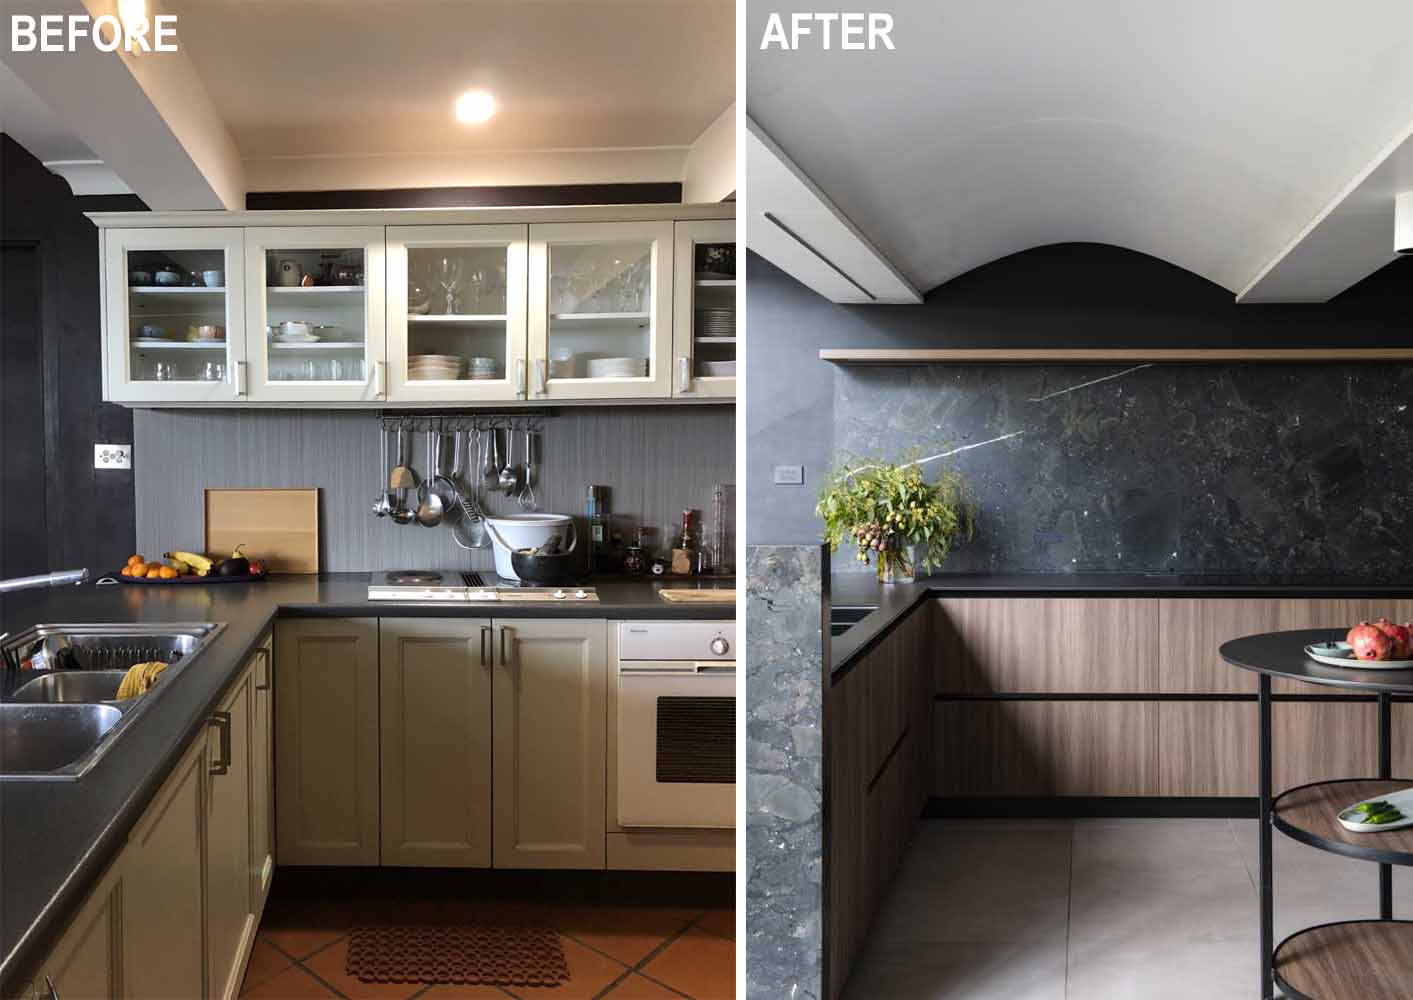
[262,676]
[222,721]
[53,992]
[485,645]
[684,374]
[520,378]
[380,379]
[539,376]
[241,381]
[507,659]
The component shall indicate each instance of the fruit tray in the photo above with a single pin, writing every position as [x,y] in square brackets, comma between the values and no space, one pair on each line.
[184,581]
[1341,654]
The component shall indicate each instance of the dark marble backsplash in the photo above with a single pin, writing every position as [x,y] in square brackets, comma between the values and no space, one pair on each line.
[1289,469]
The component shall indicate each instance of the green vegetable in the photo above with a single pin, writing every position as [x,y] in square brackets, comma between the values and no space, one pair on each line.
[1374,813]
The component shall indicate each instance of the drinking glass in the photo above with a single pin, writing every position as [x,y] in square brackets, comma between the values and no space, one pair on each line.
[449,273]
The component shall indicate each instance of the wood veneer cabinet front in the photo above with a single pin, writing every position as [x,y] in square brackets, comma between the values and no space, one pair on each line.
[1014,645]
[435,678]
[879,724]
[550,766]
[1209,748]
[1025,748]
[326,741]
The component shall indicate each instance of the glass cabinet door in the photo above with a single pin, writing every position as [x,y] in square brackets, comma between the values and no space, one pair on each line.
[601,310]
[456,308]
[316,311]
[175,315]
[704,321]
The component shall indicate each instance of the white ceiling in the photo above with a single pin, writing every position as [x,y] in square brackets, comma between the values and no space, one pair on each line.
[1207,133]
[340,79]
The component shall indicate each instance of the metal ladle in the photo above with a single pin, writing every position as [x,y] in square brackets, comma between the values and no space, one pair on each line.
[382,506]
[508,479]
[429,514]
[400,512]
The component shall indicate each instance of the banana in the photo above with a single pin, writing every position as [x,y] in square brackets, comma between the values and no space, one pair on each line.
[181,567]
[199,564]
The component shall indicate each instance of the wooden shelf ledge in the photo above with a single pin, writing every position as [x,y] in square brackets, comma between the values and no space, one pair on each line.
[1105,355]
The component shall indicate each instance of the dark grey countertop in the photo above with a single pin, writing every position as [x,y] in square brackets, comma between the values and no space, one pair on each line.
[893,602]
[57,837]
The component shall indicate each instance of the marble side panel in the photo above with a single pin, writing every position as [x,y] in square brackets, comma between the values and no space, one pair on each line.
[1239,469]
[784,771]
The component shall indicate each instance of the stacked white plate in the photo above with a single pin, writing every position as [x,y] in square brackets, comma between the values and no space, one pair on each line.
[716,322]
[435,367]
[618,367]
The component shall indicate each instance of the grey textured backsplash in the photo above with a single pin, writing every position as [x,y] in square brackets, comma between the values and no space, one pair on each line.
[658,461]
[1284,469]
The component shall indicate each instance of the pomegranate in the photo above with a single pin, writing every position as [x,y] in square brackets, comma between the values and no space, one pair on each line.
[1400,636]
[1369,642]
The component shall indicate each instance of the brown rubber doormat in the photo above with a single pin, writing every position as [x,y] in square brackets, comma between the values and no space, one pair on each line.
[491,954]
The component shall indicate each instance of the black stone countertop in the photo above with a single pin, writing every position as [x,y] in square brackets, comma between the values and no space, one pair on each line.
[893,602]
[57,837]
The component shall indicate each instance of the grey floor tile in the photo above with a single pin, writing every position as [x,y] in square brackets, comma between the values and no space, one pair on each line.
[960,971]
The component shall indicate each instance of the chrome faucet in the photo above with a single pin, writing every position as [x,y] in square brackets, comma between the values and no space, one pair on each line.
[62,578]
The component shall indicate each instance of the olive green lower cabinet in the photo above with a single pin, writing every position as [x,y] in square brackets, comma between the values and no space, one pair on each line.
[386,733]
[175,914]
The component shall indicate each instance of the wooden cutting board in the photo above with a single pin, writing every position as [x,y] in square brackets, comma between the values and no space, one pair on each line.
[278,527]
[721,596]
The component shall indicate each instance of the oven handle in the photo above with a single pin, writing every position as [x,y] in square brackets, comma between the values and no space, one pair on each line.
[708,669]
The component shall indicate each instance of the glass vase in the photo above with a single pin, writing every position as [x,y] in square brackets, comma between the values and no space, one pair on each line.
[896,565]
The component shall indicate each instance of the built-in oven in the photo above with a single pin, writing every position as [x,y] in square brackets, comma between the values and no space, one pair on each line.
[677,724]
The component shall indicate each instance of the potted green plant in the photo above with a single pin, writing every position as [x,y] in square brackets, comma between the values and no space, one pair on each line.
[894,515]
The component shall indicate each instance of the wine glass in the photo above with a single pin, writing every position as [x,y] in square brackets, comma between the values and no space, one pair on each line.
[449,277]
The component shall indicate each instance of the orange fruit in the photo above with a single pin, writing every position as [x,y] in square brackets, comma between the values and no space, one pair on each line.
[138,570]
[135,559]
[167,573]
[127,570]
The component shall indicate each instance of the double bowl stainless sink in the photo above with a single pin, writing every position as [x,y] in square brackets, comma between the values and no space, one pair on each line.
[59,723]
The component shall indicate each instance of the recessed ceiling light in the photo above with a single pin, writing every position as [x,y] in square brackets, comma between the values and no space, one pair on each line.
[475,107]
[132,13]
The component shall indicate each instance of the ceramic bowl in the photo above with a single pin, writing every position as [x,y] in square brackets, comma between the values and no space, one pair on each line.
[206,331]
[140,278]
[168,278]
[213,279]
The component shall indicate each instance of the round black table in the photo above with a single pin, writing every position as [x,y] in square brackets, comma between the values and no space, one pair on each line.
[1324,961]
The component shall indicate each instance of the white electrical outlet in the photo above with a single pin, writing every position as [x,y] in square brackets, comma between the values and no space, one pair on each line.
[789,475]
[112,456]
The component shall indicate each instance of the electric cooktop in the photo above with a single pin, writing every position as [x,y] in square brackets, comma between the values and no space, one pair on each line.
[467,588]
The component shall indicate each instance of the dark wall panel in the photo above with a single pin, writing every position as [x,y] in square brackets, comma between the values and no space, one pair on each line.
[51,382]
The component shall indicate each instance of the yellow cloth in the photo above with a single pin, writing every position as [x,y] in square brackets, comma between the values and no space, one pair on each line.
[139,678]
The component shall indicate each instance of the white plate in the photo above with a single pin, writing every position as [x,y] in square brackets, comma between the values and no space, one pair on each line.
[1402,800]
[1341,654]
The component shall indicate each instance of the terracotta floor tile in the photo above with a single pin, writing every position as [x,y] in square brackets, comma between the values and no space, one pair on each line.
[635,987]
[265,963]
[330,964]
[299,929]
[719,922]
[628,933]
[698,964]
[292,984]
[589,973]
[465,993]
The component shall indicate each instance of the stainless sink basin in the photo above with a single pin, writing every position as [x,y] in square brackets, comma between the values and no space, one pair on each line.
[70,686]
[45,738]
[58,723]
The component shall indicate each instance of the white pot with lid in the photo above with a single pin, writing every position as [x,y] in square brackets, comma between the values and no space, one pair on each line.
[526,531]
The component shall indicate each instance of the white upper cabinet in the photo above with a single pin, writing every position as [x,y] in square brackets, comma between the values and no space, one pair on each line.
[174,314]
[430,307]
[456,313]
[315,313]
[600,310]
[704,309]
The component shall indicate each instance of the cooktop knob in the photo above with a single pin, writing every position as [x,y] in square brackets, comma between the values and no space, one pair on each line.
[581,595]
[720,647]
[559,595]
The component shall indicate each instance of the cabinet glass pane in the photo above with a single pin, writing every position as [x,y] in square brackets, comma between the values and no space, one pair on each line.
[714,310]
[316,315]
[456,313]
[177,315]
[601,309]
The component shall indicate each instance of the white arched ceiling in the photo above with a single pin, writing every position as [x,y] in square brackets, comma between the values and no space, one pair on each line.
[1209,133]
